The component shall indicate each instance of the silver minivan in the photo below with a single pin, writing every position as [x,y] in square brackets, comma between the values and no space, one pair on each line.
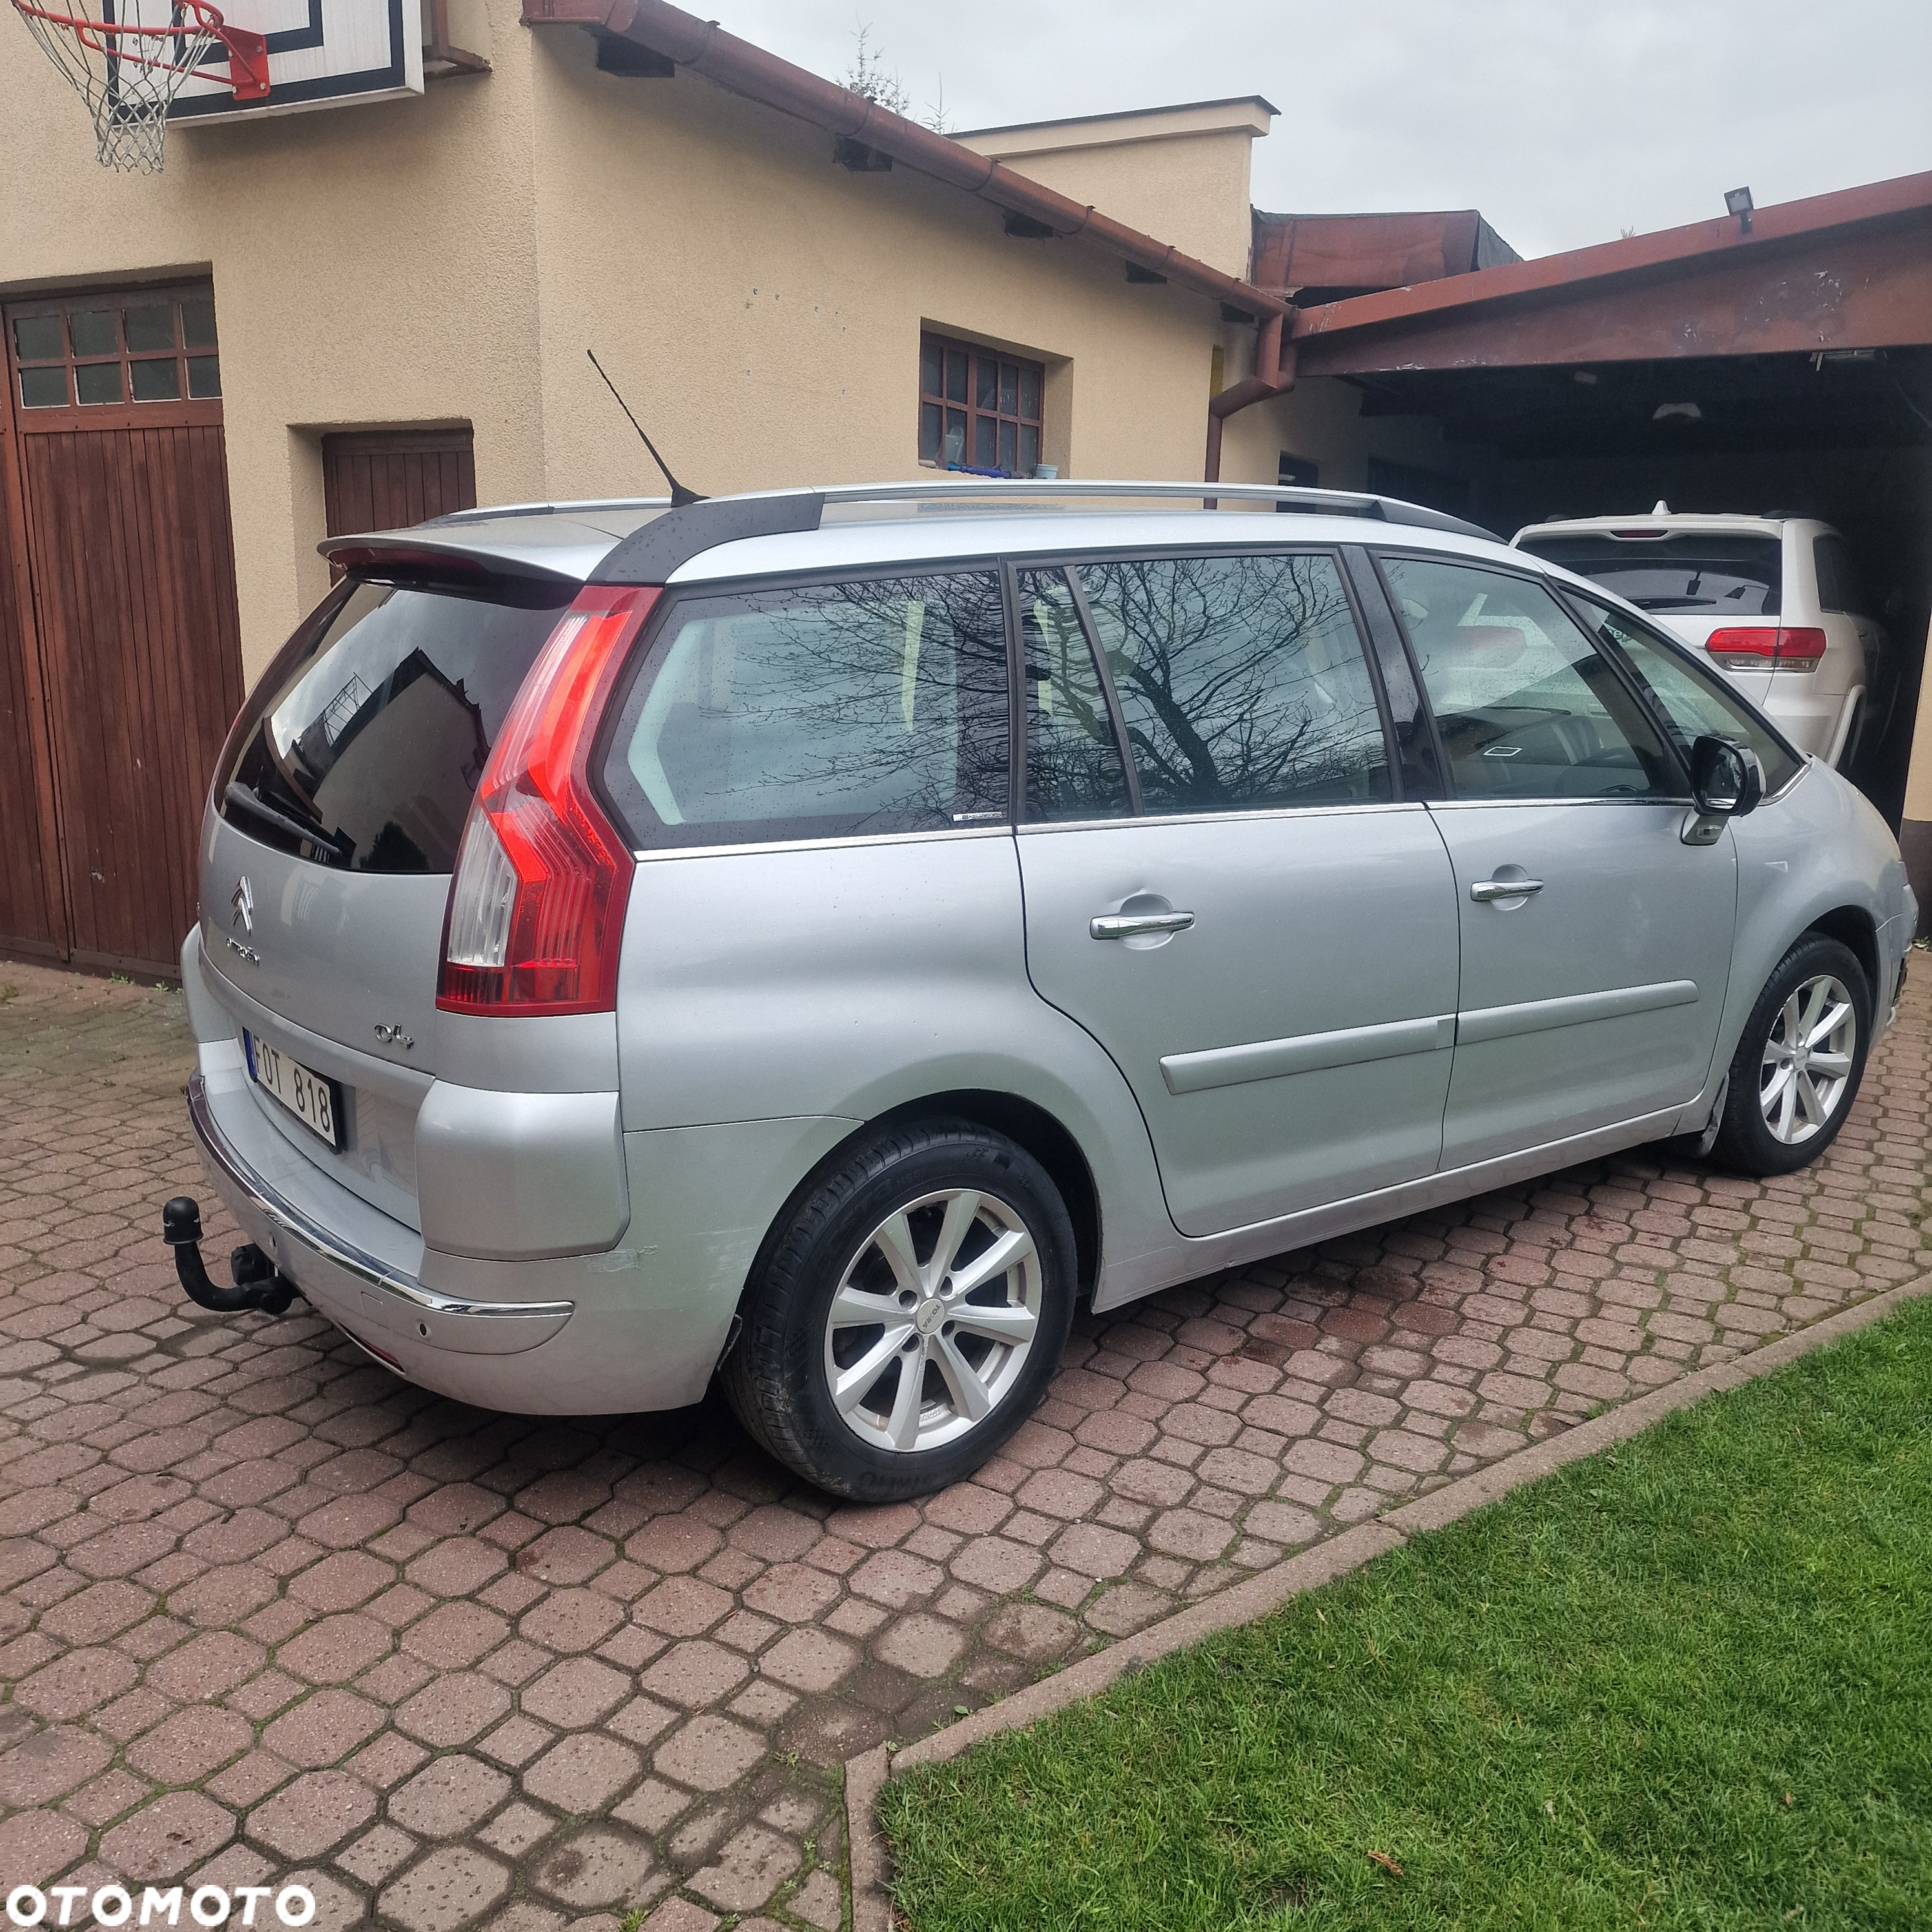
[815,939]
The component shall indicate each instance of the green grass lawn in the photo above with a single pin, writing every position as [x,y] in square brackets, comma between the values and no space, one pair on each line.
[1687,1683]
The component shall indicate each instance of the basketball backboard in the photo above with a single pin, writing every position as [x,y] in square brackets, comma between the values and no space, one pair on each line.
[322,53]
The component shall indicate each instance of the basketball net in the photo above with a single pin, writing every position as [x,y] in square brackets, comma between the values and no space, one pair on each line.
[128,59]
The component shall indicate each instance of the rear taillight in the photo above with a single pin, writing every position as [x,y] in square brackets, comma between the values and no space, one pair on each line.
[1795,647]
[536,908]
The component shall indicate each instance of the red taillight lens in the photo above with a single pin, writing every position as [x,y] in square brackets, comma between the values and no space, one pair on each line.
[1793,648]
[536,908]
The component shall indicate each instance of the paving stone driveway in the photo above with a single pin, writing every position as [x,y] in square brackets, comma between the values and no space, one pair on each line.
[269,1612]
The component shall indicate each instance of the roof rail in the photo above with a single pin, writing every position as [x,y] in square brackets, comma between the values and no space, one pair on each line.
[650,555]
[571,506]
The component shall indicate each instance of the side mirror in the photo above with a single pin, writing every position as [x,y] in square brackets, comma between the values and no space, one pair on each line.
[1725,779]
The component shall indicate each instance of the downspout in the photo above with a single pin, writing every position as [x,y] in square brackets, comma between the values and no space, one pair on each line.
[1274,372]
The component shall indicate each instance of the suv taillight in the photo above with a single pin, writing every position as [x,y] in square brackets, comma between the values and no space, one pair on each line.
[536,908]
[1785,647]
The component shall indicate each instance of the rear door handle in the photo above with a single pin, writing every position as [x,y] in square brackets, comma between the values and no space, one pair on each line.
[1484,890]
[1132,925]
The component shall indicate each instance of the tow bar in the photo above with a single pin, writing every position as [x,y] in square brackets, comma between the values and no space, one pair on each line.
[257,1285]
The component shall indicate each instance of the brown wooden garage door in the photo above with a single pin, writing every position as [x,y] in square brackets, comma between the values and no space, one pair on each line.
[388,479]
[119,500]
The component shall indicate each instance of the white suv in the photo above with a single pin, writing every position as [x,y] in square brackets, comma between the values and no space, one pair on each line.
[1777,602]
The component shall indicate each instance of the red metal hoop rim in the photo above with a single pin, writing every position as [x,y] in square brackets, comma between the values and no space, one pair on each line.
[247,52]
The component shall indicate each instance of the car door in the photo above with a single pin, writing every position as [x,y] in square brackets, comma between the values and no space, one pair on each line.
[1596,944]
[1241,912]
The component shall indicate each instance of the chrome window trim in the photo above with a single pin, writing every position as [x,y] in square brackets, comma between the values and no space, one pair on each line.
[276,1207]
[1147,820]
[1676,804]
[939,834]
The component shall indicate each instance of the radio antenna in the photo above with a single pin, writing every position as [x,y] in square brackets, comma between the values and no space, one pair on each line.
[679,495]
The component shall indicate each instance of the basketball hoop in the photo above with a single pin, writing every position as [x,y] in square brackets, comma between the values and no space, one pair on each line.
[128,59]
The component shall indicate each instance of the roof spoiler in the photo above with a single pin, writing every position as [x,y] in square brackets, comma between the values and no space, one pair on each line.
[416,557]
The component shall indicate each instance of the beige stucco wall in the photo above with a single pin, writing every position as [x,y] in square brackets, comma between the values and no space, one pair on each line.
[372,264]
[761,306]
[1180,175]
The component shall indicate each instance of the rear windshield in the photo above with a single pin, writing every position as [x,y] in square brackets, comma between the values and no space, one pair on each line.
[1694,574]
[363,747]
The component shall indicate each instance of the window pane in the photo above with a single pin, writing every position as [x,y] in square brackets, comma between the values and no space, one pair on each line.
[204,375]
[985,382]
[98,382]
[826,710]
[156,382]
[1010,448]
[1242,681]
[1073,765]
[37,338]
[198,322]
[1840,584]
[1526,707]
[1029,392]
[955,375]
[1695,700]
[955,436]
[378,733]
[929,431]
[151,326]
[985,442]
[94,332]
[44,389]
[1717,576]
[931,362]
[1029,448]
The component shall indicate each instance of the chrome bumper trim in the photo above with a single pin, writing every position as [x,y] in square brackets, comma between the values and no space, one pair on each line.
[331,1248]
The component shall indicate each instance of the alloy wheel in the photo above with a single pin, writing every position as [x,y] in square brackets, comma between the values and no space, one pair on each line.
[933,1320]
[1807,1059]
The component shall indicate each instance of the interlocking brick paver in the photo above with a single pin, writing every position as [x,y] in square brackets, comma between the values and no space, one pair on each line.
[264,1607]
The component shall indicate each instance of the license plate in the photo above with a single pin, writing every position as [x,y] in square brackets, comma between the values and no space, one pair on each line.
[314,1099]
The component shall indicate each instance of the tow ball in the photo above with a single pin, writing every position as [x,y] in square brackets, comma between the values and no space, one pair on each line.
[257,1284]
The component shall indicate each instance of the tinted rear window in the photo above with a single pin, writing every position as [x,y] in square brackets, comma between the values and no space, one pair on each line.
[363,750]
[1694,575]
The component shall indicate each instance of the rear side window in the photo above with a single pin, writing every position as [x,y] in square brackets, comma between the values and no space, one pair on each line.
[1526,707]
[1696,701]
[817,711]
[1241,681]
[1691,575]
[1841,585]
[363,748]
[1073,762]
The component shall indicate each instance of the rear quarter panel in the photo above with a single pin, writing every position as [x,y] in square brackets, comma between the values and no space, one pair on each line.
[846,980]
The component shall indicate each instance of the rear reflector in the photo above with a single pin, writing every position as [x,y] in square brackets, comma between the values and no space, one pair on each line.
[536,908]
[1795,647]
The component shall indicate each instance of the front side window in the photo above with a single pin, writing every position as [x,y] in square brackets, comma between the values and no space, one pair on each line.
[366,750]
[1526,706]
[1241,681]
[818,711]
[1073,763]
[1696,701]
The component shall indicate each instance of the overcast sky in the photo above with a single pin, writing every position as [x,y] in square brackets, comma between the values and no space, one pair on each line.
[1565,121]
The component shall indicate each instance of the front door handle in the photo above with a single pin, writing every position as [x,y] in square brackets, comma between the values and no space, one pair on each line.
[1484,890]
[1132,925]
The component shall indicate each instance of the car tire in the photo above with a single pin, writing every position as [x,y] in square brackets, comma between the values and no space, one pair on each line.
[1798,1061]
[904,1228]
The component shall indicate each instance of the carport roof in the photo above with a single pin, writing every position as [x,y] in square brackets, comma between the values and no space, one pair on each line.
[1848,270]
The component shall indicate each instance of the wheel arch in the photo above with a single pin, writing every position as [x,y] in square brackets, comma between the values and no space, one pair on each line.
[1855,928]
[1022,1120]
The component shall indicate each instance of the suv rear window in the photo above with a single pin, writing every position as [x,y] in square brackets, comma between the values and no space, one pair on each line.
[363,746]
[1694,574]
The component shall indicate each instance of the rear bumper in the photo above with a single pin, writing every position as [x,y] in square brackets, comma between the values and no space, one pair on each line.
[374,1297]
